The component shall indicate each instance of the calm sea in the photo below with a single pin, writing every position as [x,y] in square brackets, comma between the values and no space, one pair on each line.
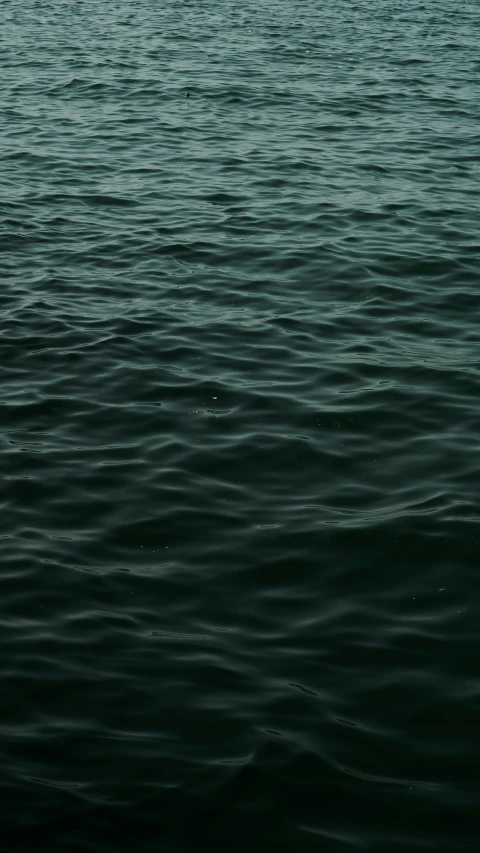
[240,426]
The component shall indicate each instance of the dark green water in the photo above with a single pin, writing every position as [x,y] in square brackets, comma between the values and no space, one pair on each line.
[240,441]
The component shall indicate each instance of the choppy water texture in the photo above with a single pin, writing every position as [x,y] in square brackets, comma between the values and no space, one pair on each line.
[240,426]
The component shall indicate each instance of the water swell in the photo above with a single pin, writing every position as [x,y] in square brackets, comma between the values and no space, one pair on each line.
[239,440]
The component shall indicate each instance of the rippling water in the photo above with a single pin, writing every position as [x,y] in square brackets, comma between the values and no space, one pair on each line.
[240,364]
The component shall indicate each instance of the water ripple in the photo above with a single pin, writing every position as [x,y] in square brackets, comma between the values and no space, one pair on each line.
[240,377]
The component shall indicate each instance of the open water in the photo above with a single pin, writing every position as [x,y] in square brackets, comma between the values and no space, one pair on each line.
[240,426]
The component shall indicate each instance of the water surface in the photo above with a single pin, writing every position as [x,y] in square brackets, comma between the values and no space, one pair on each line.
[240,426]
